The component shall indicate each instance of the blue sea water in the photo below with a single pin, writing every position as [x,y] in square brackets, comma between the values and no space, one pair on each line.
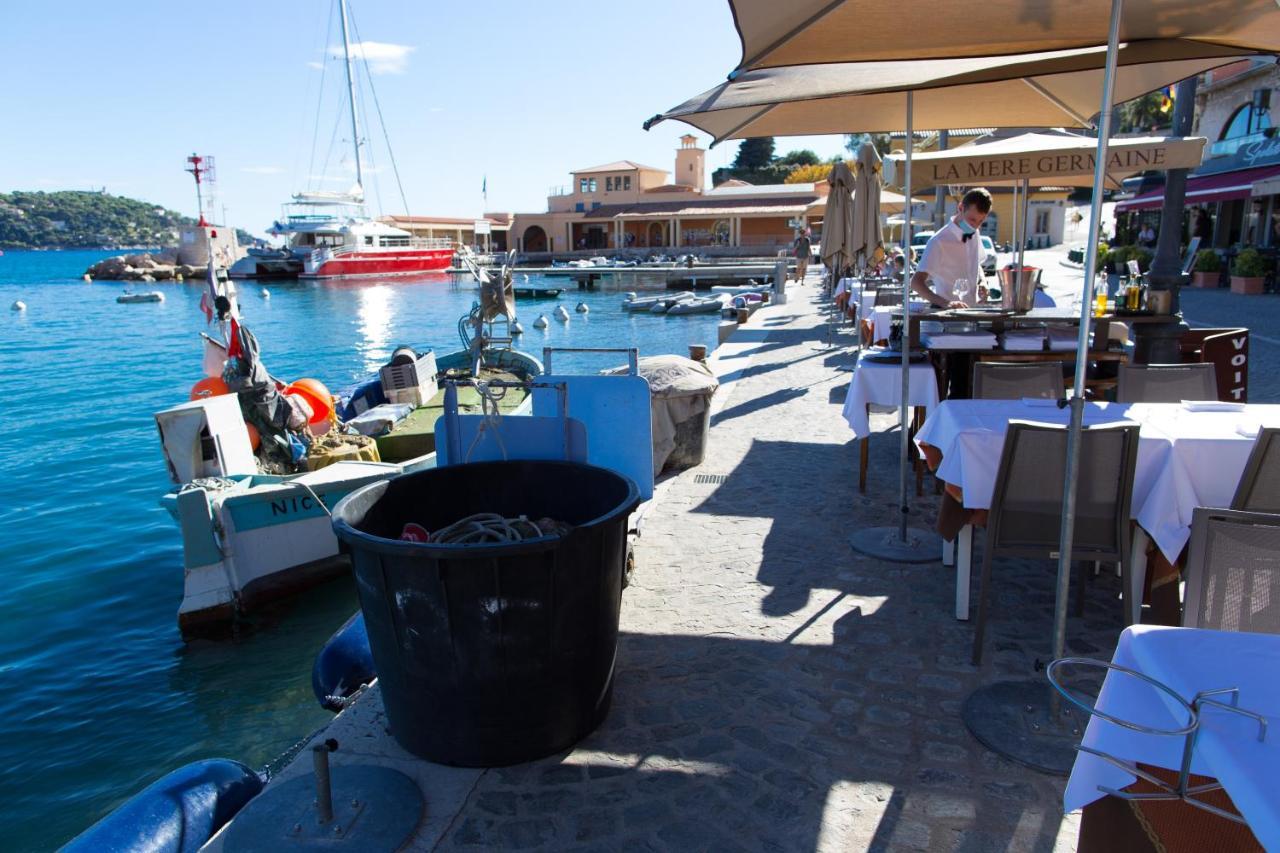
[103,694]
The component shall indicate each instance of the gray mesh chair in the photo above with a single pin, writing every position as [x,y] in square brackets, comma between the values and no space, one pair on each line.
[995,381]
[1259,489]
[1233,572]
[1026,506]
[888,296]
[1166,383]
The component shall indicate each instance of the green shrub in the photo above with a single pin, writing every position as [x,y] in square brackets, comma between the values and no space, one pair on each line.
[1207,260]
[1142,256]
[1101,260]
[1249,264]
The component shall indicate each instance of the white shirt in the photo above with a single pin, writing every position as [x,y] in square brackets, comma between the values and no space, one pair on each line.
[947,257]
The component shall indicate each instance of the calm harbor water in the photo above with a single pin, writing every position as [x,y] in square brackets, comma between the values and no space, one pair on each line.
[104,695]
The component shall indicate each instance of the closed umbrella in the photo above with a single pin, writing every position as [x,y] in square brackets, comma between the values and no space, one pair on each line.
[868,239]
[839,225]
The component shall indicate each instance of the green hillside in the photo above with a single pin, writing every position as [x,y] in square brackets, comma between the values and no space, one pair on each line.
[72,218]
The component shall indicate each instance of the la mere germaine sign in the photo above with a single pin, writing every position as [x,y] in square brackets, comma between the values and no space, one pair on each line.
[1065,163]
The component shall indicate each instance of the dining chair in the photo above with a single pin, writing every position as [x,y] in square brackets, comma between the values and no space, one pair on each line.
[1166,383]
[995,381]
[1259,488]
[1026,506]
[1233,571]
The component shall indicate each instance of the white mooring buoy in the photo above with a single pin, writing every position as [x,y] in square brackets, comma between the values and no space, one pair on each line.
[18,305]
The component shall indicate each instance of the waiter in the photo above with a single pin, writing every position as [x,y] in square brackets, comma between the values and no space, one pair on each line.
[953,253]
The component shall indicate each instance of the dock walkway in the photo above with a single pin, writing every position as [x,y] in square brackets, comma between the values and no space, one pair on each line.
[775,690]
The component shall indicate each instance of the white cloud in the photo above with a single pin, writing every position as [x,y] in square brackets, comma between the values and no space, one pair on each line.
[262,170]
[383,58]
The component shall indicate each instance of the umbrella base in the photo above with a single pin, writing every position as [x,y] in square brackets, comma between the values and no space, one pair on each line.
[1014,719]
[886,543]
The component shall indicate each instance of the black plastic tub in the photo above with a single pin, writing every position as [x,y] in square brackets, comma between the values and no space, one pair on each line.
[493,654]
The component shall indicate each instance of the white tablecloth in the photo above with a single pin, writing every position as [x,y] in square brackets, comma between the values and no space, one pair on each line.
[1189,661]
[1185,459]
[881,383]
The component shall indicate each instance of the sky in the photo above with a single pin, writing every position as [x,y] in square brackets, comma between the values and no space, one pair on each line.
[510,94]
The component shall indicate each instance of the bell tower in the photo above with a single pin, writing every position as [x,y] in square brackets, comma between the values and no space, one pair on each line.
[691,163]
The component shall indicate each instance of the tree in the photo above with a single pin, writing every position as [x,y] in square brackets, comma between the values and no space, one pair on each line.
[1144,114]
[754,153]
[803,157]
[810,174]
[882,141]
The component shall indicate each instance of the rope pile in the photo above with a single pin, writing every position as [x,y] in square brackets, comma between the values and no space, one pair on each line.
[486,528]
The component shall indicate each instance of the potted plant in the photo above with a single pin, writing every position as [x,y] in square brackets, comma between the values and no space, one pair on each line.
[1207,269]
[1248,272]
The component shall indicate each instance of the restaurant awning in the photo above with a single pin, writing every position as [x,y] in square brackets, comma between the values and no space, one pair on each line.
[1206,189]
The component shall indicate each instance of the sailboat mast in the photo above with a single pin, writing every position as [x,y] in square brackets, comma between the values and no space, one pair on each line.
[351,88]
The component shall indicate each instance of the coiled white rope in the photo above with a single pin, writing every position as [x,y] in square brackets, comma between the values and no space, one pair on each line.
[485,528]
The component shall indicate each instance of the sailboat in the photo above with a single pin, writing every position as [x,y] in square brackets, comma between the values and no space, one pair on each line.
[330,235]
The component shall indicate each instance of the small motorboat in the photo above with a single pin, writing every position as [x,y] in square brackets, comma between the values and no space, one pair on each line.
[641,303]
[148,296]
[663,305]
[698,305]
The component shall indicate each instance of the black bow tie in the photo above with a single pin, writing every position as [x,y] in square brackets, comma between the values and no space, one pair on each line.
[964,238]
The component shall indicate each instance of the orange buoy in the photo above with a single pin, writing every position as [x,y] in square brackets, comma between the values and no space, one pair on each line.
[255,439]
[318,396]
[210,386]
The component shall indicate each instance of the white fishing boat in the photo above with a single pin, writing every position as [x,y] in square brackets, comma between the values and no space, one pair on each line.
[134,298]
[254,530]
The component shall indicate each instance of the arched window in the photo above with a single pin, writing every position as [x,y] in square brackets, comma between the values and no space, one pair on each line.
[1245,120]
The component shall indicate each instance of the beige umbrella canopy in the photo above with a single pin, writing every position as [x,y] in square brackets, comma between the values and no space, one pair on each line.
[890,203]
[839,241]
[1054,89]
[868,239]
[800,32]
[1041,158]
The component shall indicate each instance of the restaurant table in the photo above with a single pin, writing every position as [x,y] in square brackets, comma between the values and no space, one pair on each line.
[880,382]
[1227,746]
[1186,459]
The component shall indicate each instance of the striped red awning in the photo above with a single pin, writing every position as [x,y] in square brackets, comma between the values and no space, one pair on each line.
[1205,189]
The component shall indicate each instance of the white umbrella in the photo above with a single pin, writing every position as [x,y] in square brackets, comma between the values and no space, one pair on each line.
[868,240]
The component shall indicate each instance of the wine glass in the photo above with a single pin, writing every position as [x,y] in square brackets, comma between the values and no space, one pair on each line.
[961,290]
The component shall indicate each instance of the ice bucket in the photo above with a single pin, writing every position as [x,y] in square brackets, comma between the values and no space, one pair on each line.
[1018,295]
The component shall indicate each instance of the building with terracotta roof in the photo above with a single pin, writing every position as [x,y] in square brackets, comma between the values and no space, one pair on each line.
[494,229]
[627,205]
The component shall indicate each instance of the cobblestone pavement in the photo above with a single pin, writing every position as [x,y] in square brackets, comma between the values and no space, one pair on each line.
[776,691]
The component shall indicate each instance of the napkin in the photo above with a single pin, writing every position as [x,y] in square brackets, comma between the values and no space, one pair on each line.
[1212,406]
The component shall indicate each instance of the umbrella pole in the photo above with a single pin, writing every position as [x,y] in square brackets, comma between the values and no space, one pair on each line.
[897,543]
[1024,720]
[907,270]
[1023,230]
[1082,344]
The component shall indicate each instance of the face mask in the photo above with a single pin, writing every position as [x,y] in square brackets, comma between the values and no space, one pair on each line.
[965,228]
